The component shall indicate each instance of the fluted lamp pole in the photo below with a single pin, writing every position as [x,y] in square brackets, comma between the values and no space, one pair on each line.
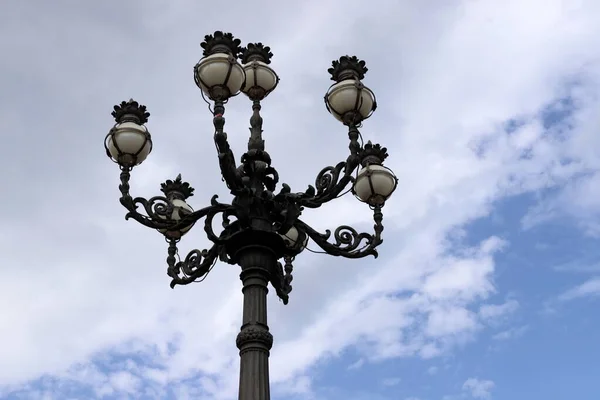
[262,229]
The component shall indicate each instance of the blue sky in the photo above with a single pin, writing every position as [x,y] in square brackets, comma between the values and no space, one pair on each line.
[489,276]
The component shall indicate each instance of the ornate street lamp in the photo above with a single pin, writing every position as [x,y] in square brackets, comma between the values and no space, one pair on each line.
[262,230]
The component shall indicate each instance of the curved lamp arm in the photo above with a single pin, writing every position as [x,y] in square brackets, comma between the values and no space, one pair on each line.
[159,210]
[330,183]
[197,264]
[347,240]
[332,180]
[209,212]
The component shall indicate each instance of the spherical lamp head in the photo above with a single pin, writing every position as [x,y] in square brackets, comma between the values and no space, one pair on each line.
[349,100]
[260,78]
[374,183]
[218,74]
[176,191]
[128,143]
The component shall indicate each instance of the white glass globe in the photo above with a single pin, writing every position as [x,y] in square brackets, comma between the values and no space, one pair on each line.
[212,71]
[180,210]
[259,75]
[291,238]
[347,96]
[131,139]
[374,184]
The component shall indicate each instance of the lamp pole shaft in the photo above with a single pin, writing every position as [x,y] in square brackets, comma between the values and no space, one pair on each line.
[254,340]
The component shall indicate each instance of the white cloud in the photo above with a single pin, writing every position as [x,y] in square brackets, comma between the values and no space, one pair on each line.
[589,288]
[495,312]
[578,198]
[360,316]
[432,370]
[125,381]
[465,278]
[445,321]
[511,333]
[394,381]
[356,365]
[582,266]
[301,385]
[479,389]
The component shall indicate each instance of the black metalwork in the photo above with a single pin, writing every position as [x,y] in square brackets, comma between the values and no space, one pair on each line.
[347,67]
[220,42]
[256,52]
[373,154]
[255,224]
[130,111]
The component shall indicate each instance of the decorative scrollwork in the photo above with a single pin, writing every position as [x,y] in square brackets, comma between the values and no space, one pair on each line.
[196,264]
[330,183]
[348,242]
[328,178]
[255,208]
[256,171]
[157,208]
[284,210]
[254,334]
[333,180]
[158,211]
[217,208]
[282,282]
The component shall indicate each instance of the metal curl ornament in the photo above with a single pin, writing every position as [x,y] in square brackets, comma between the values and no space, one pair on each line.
[196,265]
[348,242]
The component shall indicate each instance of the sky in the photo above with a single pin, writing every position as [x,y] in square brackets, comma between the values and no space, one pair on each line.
[488,280]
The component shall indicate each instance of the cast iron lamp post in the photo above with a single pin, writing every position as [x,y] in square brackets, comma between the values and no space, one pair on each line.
[260,227]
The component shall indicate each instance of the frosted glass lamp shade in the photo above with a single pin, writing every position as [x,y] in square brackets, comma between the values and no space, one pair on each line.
[260,80]
[180,210]
[292,237]
[374,184]
[219,75]
[128,144]
[350,98]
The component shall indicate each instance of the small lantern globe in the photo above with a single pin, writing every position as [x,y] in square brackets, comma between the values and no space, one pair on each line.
[219,74]
[349,100]
[129,143]
[176,192]
[292,239]
[375,184]
[261,79]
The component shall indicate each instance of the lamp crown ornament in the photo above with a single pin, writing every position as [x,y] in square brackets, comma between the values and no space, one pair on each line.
[177,186]
[220,42]
[256,52]
[347,67]
[130,111]
[373,154]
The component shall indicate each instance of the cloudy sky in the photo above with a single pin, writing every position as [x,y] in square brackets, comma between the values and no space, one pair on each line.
[488,281]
